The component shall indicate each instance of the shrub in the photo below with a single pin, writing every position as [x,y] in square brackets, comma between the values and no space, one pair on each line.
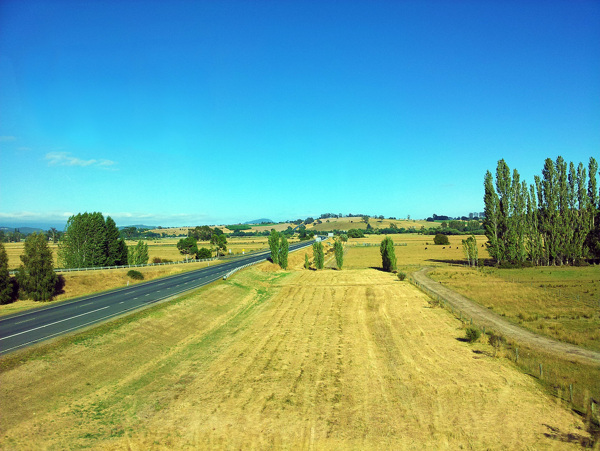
[472,334]
[203,253]
[156,260]
[441,239]
[496,340]
[135,275]
[401,275]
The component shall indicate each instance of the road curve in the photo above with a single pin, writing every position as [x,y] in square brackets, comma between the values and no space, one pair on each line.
[24,329]
[485,317]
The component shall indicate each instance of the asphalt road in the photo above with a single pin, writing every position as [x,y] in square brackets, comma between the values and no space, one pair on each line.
[31,327]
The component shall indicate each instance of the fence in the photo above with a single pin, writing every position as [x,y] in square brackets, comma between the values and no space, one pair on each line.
[99,268]
[549,370]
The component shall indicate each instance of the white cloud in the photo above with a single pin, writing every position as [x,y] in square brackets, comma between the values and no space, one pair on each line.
[66,159]
[7,138]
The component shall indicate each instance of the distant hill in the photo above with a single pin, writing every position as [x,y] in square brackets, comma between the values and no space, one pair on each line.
[259,221]
[23,230]
[138,226]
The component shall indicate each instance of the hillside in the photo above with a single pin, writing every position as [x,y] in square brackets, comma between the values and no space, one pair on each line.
[357,222]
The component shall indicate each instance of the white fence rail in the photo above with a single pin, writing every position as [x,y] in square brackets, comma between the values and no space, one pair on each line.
[99,268]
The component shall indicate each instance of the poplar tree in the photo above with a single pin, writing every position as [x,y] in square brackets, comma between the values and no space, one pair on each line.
[388,254]
[490,221]
[504,189]
[284,248]
[593,204]
[36,276]
[274,246]
[338,249]
[138,254]
[470,250]
[318,255]
[551,223]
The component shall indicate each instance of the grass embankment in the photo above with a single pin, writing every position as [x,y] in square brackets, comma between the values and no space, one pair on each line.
[285,359]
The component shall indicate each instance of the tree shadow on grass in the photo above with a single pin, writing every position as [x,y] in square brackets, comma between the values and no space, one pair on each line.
[556,434]
[449,261]
[378,268]
[59,288]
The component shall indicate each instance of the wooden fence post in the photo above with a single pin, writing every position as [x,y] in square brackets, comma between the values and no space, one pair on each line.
[541,371]
[516,355]
[571,393]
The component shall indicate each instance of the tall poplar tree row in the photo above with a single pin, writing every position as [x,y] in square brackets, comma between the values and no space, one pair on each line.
[551,222]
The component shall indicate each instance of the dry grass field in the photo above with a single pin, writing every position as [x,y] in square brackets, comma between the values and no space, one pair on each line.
[163,248]
[418,252]
[356,222]
[560,302]
[351,359]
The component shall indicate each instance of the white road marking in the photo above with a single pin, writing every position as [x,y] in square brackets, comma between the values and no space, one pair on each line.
[56,322]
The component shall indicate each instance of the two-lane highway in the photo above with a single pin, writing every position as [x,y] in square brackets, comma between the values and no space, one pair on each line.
[24,329]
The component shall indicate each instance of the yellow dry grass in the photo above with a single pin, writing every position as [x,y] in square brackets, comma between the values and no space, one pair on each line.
[561,303]
[348,359]
[356,222]
[419,251]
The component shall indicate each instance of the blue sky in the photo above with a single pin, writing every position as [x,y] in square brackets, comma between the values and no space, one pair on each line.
[187,113]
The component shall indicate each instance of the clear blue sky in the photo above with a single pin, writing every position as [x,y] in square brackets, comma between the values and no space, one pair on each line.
[192,112]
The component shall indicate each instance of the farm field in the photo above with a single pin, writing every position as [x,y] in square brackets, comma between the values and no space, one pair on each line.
[418,252]
[163,248]
[356,222]
[559,302]
[287,359]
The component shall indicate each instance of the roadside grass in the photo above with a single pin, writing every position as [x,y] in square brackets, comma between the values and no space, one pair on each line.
[559,302]
[350,359]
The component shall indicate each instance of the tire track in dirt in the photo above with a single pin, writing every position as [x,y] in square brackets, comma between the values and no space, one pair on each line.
[485,317]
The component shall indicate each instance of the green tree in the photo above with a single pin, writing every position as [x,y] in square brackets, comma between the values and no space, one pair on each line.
[338,249]
[36,276]
[318,255]
[306,261]
[274,246]
[219,241]
[114,244]
[388,254]
[6,287]
[284,248]
[86,243]
[440,239]
[187,246]
[138,254]
[203,253]
[344,237]
[470,250]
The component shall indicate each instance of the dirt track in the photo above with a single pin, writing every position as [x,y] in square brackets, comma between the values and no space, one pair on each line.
[484,317]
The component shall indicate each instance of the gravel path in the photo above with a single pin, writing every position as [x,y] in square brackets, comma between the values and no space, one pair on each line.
[488,318]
